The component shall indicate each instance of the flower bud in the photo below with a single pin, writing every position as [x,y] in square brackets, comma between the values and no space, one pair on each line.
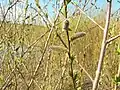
[66,25]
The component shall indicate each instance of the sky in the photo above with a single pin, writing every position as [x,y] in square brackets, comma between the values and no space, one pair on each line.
[115,4]
[100,3]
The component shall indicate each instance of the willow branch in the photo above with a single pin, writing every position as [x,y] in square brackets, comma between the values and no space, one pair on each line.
[61,40]
[103,47]
[112,39]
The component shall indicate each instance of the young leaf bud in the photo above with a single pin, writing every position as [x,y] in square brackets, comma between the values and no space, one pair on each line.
[66,25]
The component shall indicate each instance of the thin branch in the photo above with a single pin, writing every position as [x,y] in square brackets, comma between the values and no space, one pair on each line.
[61,40]
[88,16]
[18,70]
[85,71]
[115,12]
[63,72]
[45,48]
[66,28]
[103,47]
[35,42]
[37,85]
[46,22]
[112,39]
[46,71]
[41,59]
[78,23]
[4,17]
[7,81]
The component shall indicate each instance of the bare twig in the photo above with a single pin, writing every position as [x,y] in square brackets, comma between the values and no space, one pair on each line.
[44,19]
[66,28]
[44,14]
[37,85]
[61,40]
[18,70]
[84,71]
[45,48]
[7,81]
[88,16]
[115,12]
[35,42]
[103,48]
[41,59]
[112,39]
[78,23]
[46,70]
[63,72]
[4,17]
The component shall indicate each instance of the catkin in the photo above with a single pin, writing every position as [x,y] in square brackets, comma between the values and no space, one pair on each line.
[66,25]
[77,35]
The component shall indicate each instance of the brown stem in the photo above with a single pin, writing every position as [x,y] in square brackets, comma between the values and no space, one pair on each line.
[103,47]
[112,39]
[61,40]
[69,47]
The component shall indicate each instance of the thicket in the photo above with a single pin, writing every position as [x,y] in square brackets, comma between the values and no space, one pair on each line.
[64,54]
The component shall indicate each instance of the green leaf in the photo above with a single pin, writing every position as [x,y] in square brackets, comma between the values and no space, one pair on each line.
[118,50]
[72,57]
[75,76]
[68,1]
[46,15]
[117,80]
[10,2]
[1,79]
[112,31]
[26,7]
[75,3]
[63,11]
[37,4]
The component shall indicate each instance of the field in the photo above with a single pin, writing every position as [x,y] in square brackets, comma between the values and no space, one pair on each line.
[36,57]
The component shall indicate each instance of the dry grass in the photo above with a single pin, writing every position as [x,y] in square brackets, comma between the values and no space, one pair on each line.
[85,50]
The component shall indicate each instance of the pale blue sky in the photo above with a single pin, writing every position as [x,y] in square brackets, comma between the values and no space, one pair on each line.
[100,3]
